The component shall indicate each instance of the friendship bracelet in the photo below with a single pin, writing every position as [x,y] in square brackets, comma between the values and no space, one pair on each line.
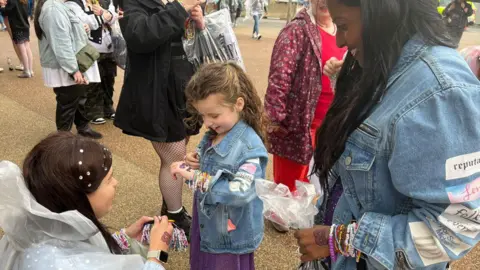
[341,240]
[122,240]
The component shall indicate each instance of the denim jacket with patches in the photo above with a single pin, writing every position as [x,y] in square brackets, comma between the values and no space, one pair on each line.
[230,212]
[411,170]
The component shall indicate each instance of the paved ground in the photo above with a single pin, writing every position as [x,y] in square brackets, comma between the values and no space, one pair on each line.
[27,113]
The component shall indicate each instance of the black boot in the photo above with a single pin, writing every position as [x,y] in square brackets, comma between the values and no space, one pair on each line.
[182,220]
[89,133]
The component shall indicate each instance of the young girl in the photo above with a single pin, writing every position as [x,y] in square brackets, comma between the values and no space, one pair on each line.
[51,211]
[227,222]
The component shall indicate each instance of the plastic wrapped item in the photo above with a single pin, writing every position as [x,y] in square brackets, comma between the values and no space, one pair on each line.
[119,46]
[216,43]
[296,211]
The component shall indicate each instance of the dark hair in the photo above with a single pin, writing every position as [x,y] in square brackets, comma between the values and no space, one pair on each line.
[230,80]
[36,17]
[62,169]
[386,26]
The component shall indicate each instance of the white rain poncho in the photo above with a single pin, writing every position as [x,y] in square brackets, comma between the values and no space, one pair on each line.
[36,238]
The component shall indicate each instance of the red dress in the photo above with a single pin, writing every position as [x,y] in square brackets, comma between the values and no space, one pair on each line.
[286,171]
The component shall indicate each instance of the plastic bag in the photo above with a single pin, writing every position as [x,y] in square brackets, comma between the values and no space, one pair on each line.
[295,210]
[119,46]
[216,43]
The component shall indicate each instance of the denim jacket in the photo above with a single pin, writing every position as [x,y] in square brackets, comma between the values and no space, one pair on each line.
[230,199]
[63,37]
[411,170]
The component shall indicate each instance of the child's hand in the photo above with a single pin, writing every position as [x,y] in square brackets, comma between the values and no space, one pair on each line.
[193,160]
[180,168]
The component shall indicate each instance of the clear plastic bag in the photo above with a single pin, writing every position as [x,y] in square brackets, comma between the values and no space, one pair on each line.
[294,210]
[119,46]
[216,43]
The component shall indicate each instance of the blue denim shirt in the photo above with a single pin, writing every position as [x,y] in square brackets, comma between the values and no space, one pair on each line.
[411,170]
[233,165]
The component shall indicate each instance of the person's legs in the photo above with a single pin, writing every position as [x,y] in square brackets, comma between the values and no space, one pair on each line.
[286,171]
[24,58]
[255,26]
[109,68]
[67,103]
[30,57]
[171,188]
[9,30]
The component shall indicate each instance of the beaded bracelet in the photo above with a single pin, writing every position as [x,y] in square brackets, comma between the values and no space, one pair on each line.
[341,240]
[121,238]
[333,256]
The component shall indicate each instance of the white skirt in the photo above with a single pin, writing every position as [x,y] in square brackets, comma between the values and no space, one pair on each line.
[57,77]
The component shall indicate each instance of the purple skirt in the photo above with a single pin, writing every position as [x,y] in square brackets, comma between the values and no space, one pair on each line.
[200,260]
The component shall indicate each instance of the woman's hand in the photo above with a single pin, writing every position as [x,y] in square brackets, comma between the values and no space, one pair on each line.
[78,78]
[197,16]
[161,234]
[135,230]
[190,4]
[313,243]
[192,160]
[120,14]
[97,10]
[87,28]
[181,168]
[332,67]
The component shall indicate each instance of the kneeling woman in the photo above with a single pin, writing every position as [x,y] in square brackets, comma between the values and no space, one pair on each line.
[51,215]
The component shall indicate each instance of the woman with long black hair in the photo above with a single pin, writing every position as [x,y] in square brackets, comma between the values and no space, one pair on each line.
[402,135]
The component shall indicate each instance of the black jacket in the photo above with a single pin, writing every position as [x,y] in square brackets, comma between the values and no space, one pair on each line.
[17,14]
[145,106]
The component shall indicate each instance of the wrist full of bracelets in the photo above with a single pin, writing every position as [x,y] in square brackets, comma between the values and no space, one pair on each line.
[340,241]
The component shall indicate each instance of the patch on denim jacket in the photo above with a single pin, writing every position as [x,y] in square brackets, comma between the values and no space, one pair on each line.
[448,238]
[464,193]
[428,246]
[249,168]
[462,166]
[462,220]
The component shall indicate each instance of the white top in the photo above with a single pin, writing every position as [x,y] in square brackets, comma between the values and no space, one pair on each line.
[94,24]
[57,77]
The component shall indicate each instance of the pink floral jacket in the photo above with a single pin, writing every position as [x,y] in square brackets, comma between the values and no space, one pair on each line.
[294,86]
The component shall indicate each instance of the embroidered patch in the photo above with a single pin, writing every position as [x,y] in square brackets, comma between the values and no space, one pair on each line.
[234,186]
[428,247]
[464,193]
[231,226]
[462,166]
[448,238]
[249,167]
[461,219]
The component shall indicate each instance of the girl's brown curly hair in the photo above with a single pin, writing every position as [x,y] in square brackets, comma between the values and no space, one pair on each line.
[231,81]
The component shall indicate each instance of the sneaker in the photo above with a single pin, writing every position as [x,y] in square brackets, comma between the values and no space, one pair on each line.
[254,36]
[90,133]
[182,220]
[1,69]
[19,67]
[98,121]
[110,116]
[259,36]
[24,75]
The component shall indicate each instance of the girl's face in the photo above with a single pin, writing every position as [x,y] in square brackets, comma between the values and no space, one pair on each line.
[349,27]
[217,114]
[101,199]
